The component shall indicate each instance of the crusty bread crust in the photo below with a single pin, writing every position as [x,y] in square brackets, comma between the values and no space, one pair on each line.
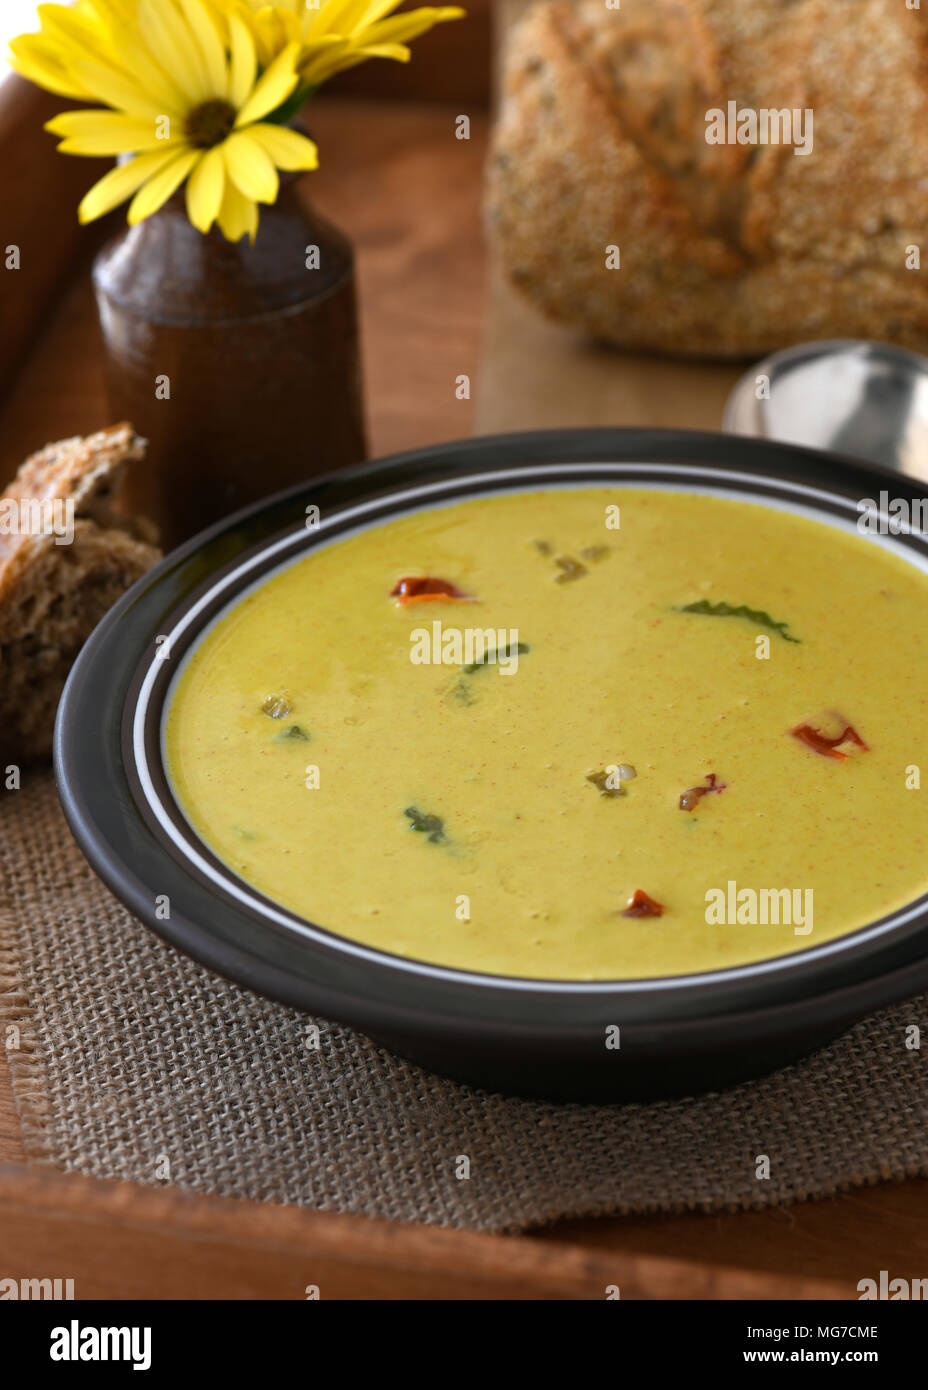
[726,250]
[52,596]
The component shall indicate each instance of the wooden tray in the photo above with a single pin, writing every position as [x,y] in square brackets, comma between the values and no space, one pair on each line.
[409,193]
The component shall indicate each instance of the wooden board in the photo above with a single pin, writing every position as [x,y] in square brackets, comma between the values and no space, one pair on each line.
[124,1241]
[135,1242]
[540,375]
[43,229]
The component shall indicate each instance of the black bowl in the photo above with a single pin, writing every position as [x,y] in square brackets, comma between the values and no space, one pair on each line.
[533,1037]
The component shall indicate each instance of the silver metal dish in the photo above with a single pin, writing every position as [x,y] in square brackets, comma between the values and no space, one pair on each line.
[861,399]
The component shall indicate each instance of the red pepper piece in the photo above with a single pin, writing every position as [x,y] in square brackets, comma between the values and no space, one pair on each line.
[423,589]
[640,905]
[828,747]
[691,797]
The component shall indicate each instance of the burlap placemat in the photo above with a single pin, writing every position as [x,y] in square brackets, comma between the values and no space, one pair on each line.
[129,1061]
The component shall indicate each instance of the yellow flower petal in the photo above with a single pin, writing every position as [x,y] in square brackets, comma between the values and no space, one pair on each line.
[117,89]
[77,28]
[135,58]
[114,12]
[105,132]
[287,148]
[214,57]
[404,27]
[274,29]
[377,9]
[337,16]
[205,189]
[238,215]
[398,51]
[120,183]
[35,59]
[330,63]
[157,190]
[243,62]
[265,44]
[273,87]
[250,167]
[168,39]
[325,56]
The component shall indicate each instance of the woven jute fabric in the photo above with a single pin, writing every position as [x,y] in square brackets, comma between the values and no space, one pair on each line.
[130,1061]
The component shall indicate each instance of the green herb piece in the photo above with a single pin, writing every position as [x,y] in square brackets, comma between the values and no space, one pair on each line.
[492,658]
[277,707]
[601,780]
[433,826]
[570,569]
[728,610]
[462,692]
[595,553]
[543,547]
[295,734]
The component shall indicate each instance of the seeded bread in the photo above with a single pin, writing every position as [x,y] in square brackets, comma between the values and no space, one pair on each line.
[51,595]
[726,250]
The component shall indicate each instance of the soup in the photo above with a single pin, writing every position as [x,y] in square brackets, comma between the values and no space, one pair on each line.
[583,734]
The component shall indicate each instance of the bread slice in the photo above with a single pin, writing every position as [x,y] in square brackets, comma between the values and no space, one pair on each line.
[53,594]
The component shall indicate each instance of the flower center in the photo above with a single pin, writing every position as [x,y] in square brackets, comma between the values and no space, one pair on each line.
[210,124]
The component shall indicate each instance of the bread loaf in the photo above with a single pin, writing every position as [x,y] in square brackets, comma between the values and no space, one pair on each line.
[53,594]
[726,249]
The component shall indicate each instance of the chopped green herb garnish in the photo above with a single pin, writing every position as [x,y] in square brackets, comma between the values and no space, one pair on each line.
[277,707]
[605,781]
[489,658]
[433,826]
[462,692]
[569,569]
[295,734]
[728,610]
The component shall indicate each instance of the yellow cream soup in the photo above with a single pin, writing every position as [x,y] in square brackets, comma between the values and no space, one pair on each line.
[446,812]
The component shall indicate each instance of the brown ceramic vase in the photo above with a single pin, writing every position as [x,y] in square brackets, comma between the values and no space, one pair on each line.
[239,363]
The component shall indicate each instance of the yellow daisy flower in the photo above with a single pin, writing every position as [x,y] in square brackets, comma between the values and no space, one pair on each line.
[188,103]
[199,90]
[338,34]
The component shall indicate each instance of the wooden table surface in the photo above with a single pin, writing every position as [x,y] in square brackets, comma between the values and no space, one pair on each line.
[408,192]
